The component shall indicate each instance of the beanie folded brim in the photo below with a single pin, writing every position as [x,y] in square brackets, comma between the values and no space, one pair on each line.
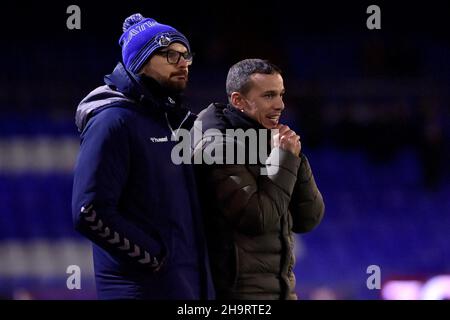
[161,40]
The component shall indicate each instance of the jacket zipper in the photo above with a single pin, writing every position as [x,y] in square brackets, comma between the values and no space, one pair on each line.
[175,133]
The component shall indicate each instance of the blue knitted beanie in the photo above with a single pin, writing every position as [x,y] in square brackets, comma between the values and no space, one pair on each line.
[143,36]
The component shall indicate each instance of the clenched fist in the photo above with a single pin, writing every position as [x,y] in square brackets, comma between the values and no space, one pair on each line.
[287,139]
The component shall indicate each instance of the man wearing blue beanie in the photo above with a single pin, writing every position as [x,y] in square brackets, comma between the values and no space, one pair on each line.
[139,209]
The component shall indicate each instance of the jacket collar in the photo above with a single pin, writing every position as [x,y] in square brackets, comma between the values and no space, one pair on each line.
[239,119]
[143,89]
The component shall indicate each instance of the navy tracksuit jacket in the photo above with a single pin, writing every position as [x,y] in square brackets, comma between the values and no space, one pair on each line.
[139,209]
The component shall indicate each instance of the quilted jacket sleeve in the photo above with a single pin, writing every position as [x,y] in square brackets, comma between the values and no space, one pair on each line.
[99,178]
[254,203]
[306,206]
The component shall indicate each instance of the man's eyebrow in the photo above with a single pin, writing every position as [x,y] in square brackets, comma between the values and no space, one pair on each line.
[274,91]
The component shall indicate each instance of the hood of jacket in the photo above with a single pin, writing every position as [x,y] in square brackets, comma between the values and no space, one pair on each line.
[100,97]
[125,89]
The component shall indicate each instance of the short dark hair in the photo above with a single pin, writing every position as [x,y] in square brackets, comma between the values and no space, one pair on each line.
[238,79]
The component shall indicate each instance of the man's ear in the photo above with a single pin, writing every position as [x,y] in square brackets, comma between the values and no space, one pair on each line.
[237,100]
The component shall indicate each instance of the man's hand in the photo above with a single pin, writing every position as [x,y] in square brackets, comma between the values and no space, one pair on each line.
[287,139]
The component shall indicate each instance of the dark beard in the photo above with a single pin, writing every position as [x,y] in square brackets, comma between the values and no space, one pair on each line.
[173,87]
[161,88]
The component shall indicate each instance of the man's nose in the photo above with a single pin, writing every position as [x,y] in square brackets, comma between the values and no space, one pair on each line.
[280,105]
[183,63]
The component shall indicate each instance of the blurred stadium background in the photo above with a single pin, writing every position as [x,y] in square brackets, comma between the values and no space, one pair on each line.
[372,107]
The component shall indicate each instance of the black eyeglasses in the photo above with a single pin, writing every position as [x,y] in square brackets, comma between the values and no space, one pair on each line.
[173,57]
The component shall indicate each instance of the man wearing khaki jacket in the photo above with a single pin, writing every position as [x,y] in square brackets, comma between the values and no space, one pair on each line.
[253,204]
